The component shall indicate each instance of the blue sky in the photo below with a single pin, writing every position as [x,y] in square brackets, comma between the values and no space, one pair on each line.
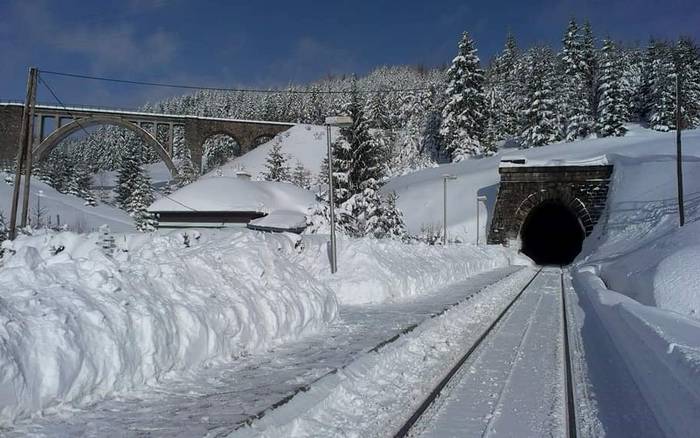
[271,43]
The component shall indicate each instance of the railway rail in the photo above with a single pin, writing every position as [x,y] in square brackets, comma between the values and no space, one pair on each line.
[425,417]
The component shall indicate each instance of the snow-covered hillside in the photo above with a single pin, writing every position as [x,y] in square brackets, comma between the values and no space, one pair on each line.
[303,143]
[55,207]
[420,193]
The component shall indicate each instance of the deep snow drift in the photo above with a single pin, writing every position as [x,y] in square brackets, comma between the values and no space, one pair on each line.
[77,325]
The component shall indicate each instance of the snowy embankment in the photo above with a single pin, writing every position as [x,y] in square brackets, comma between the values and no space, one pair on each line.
[375,271]
[77,325]
[49,207]
[375,394]
[639,272]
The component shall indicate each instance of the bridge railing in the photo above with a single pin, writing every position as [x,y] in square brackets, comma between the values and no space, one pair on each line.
[84,107]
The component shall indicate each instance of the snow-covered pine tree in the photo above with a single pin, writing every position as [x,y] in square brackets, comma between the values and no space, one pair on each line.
[301,176]
[688,65]
[361,150]
[575,96]
[589,68]
[462,116]
[186,173]
[373,215]
[503,95]
[661,100]
[80,184]
[276,164]
[390,223]
[376,111]
[540,117]
[612,109]
[139,201]
[217,150]
[127,175]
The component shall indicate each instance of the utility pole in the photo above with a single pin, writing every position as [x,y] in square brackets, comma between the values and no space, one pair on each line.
[341,122]
[24,150]
[679,154]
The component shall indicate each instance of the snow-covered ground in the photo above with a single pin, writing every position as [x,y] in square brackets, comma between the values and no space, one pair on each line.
[303,143]
[50,207]
[219,399]
[166,303]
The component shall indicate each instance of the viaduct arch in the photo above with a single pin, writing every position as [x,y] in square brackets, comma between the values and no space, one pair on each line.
[197,130]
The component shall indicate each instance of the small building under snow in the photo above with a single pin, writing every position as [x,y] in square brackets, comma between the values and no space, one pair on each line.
[220,201]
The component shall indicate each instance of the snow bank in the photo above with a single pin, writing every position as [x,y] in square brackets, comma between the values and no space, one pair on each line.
[639,249]
[661,351]
[375,394]
[71,210]
[373,271]
[77,325]
[221,193]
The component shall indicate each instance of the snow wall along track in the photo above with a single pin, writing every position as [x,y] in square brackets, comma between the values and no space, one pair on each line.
[562,202]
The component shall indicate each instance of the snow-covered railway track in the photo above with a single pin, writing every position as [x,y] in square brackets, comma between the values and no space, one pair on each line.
[515,379]
[406,330]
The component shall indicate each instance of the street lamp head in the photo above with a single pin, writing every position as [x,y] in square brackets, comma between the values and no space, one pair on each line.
[339,121]
[448,176]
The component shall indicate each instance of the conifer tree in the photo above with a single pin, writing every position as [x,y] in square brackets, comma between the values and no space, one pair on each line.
[126,179]
[276,164]
[377,113]
[688,66]
[540,117]
[139,201]
[301,176]
[503,97]
[590,69]
[361,151]
[575,98]
[462,117]
[612,107]
[186,173]
[661,99]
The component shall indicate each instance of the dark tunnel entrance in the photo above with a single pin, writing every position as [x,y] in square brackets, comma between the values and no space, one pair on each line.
[552,234]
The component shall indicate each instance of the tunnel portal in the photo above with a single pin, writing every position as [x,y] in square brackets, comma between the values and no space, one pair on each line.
[552,234]
[548,210]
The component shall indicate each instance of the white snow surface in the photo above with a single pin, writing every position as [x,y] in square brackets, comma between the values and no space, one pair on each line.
[79,325]
[71,210]
[223,193]
[304,143]
[281,220]
[375,394]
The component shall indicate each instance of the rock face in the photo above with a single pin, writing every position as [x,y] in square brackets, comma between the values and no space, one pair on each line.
[582,189]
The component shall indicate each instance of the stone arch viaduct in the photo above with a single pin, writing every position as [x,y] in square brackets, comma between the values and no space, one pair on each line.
[66,121]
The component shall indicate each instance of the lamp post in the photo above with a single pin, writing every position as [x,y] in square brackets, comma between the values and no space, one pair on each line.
[445,177]
[341,122]
[478,200]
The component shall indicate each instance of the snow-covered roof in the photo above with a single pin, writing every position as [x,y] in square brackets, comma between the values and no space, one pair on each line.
[236,194]
[521,161]
[280,220]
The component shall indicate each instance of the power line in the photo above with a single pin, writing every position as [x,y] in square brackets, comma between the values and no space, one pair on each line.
[243,90]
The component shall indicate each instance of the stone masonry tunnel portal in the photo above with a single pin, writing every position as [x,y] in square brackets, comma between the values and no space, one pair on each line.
[548,210]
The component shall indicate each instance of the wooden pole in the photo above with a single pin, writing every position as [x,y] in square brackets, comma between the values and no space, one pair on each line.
[679,154]
[24,131]
[29,145]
